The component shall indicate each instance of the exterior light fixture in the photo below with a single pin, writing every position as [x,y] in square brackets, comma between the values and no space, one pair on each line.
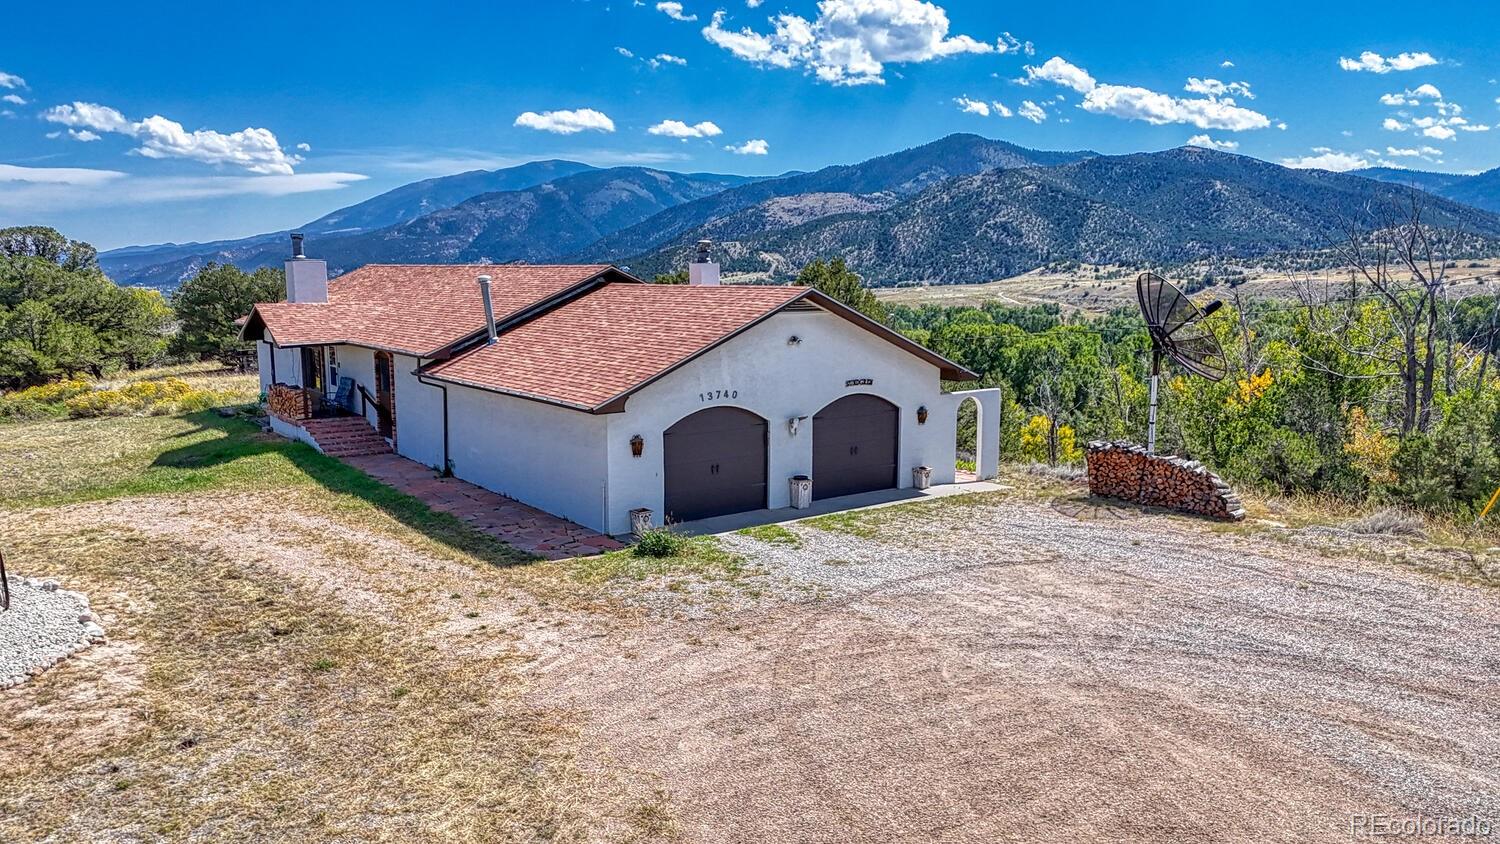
[922,415]
[637,445]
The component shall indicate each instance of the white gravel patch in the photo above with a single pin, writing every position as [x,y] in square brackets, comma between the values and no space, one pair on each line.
[44,625]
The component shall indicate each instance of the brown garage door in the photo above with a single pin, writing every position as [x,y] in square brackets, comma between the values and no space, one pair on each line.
[854,446]
[715,464]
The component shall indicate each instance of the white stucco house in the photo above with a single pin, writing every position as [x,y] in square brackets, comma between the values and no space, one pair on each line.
[589,394]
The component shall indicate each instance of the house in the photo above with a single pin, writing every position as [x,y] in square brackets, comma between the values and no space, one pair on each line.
[585,392]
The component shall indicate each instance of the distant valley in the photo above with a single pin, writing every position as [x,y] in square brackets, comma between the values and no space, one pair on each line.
[958,210]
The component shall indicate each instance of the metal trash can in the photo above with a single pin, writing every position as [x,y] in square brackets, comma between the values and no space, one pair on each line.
[801,488]
[640,521]
[921,477]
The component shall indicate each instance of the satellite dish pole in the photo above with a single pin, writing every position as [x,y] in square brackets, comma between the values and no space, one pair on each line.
[1155,382]
[1167,312]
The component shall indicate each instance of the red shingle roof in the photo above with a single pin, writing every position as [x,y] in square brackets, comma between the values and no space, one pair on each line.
[416,309]
[612,340]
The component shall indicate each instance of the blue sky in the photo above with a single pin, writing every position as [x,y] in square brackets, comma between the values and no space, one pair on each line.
[194,121]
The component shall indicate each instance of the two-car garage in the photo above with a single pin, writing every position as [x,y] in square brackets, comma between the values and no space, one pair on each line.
[715,460]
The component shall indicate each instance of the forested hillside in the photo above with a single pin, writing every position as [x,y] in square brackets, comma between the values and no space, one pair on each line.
[1147,209]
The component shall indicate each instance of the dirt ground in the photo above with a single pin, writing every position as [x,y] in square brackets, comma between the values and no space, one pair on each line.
[991,671]
[1006,673]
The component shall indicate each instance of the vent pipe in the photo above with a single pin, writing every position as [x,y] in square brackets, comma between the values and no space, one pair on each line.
[297,245]
[489,309]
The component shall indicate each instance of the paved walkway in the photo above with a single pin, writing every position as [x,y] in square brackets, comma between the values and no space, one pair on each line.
[824,506]
[506,519]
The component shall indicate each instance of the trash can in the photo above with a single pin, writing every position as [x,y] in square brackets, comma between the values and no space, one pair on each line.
[640,520]
[921,477]
[801,486]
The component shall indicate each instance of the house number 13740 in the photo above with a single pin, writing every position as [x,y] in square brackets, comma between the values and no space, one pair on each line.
[718,395]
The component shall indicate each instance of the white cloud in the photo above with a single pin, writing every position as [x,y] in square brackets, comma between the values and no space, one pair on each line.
[1215,88]
[1209,143]
[667,58]
[83,135]
[1061,72]
[255,150]
[751,147]
[304,147]
[1226,64]
[680,129]
[566,122]
[33,190]
[1031,111]
[1134,103]
[10,80]
[1442,133]
[1376,63]
[1391,124]
[58,175]
[969,106]
[754,4]
[851,41]
[1324,158]
[1001,109]
[624,52]
[13,99]
[673,10]
[90,115]
[1008,43]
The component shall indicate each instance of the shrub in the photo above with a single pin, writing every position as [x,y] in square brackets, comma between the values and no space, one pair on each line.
[1390,521]
[659,542]
[155,398]
[15,408]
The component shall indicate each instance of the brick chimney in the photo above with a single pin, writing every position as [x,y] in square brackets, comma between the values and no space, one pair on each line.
[306,279]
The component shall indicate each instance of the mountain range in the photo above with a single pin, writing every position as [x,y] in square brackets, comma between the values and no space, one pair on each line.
[1481,190]
[962,208]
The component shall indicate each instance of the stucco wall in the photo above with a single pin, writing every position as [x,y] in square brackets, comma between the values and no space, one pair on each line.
[549,457]
[419,414]
[766,375]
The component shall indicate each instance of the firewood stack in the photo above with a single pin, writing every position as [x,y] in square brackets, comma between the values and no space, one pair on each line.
[1124,470]
[289,403]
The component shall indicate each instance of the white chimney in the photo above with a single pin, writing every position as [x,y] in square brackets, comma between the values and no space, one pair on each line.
[703,270]
[489,309]
[306,279]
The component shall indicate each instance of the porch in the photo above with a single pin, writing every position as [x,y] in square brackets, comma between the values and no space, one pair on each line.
[338,425]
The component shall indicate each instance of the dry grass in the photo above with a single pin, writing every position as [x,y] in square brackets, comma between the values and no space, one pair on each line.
[284,660]
[250,708]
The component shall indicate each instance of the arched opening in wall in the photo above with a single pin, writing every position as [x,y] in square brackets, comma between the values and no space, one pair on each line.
[966,444]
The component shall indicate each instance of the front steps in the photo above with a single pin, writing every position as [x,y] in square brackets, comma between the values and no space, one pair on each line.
[345,436]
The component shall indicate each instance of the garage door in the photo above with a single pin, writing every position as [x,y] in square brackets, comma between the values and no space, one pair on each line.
[854,446]
[715,464]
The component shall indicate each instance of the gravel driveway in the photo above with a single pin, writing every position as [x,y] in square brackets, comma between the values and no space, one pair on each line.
[1007,673]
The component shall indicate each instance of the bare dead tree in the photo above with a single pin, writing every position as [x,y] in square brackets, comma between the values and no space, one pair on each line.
[1399,260]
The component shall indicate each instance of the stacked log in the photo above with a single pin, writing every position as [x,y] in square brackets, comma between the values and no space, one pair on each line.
[1125,471]
[291,404]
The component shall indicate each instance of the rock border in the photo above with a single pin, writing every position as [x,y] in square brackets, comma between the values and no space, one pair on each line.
[1124,470]
[90,631]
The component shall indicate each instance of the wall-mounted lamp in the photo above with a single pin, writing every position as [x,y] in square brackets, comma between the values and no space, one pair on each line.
[794,340]
[922,415]
[637,445]
[793,423]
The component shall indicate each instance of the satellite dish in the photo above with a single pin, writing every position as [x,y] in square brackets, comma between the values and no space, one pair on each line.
[1177,332]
